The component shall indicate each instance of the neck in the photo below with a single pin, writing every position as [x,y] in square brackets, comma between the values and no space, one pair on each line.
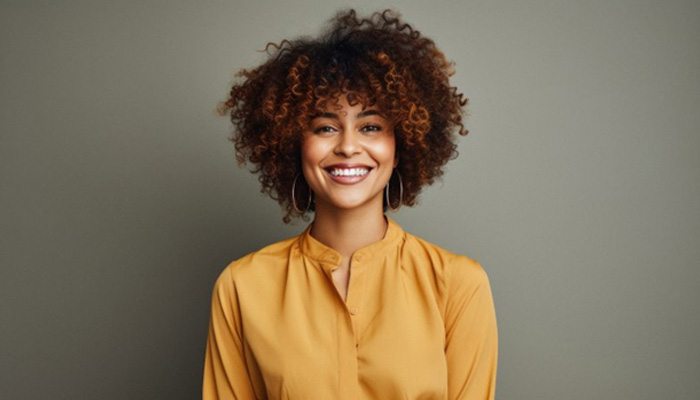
[348,230]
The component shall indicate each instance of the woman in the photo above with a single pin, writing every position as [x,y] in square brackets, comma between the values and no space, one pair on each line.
[348,126]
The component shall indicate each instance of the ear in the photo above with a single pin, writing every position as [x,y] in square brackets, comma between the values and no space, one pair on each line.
[396,161]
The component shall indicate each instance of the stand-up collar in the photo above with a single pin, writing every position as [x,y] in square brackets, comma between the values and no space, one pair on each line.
[314,249]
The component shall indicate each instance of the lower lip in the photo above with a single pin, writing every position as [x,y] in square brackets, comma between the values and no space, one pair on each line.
[348,180]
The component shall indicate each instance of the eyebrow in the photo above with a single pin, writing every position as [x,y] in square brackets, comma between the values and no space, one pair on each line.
[361,114]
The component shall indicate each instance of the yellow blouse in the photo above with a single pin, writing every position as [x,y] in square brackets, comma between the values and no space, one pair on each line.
[418,323]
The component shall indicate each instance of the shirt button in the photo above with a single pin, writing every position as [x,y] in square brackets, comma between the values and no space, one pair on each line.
[353,310]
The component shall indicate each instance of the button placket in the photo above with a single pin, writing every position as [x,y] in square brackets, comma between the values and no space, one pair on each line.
[355,284]
[358,271]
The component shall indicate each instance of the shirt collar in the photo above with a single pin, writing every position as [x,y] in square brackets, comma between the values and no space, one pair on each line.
[314,249]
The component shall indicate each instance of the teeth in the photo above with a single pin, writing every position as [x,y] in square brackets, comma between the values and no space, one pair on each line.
[349,171]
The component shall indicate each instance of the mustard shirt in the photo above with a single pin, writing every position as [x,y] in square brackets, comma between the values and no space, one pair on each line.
[418,323]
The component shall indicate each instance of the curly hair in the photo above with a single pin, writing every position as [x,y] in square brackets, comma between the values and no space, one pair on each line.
[377,61]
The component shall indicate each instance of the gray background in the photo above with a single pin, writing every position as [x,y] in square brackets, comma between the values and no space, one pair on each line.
[577,189]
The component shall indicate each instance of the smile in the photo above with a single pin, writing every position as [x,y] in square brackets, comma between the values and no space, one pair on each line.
[349,171]
[348,176]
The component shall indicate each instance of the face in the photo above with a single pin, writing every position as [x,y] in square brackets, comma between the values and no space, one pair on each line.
[347,156]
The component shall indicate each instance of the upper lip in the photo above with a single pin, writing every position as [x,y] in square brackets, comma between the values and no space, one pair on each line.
[346,165]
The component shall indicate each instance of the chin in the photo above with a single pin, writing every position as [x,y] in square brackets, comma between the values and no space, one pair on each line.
[349,204]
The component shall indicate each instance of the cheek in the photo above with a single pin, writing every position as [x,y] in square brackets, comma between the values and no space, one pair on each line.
[309,152]
[385,151]
[313,153]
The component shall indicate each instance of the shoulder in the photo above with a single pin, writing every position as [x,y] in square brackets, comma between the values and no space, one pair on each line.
[258,264]
[451,267]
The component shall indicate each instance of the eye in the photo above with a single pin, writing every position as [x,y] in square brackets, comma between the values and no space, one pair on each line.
[371,128]
[324,129]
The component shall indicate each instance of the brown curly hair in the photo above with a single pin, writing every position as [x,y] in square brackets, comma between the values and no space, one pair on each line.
[376,61]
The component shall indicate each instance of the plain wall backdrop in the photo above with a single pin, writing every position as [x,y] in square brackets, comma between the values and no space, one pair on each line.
[577,188]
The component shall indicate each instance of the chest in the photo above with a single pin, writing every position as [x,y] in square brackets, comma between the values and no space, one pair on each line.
[384,334]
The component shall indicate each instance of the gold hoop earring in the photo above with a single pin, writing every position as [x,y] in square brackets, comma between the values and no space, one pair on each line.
[386,192]
[294,201]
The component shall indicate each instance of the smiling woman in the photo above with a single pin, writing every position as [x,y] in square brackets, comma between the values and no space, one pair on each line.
[347,126]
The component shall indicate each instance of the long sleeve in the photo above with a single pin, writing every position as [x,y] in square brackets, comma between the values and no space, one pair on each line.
[225,372]
[471,346]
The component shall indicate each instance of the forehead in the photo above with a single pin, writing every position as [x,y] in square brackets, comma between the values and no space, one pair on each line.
[344,103]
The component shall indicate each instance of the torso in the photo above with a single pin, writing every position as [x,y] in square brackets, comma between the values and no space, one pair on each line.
[387,340]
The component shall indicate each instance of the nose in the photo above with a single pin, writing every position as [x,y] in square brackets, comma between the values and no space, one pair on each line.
[348,144]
